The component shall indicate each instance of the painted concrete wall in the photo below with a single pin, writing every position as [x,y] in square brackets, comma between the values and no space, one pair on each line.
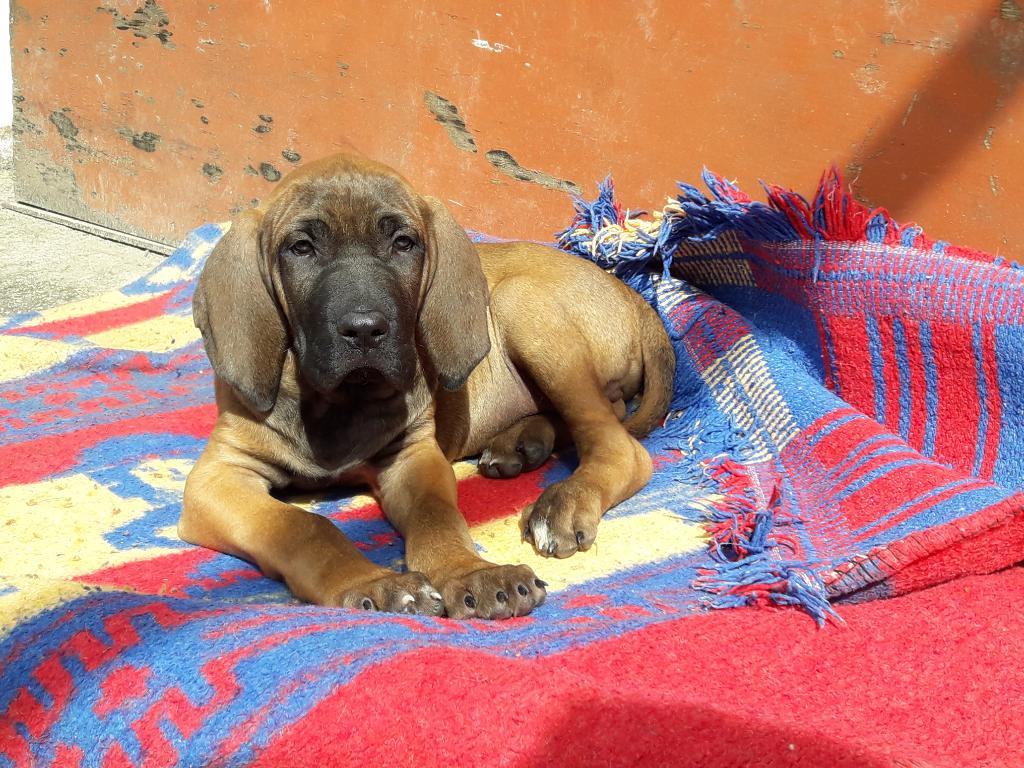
[153,117]
[6,84]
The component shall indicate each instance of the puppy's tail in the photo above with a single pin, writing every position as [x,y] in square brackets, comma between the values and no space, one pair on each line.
[659,371]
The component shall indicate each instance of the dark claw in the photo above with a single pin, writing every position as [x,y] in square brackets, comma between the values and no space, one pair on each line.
[522,590]
[470,601]
[366,604]
[501,597]
[528,536]
[540,583]
[579,538]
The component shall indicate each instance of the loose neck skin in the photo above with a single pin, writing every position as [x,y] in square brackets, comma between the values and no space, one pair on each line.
[328,438]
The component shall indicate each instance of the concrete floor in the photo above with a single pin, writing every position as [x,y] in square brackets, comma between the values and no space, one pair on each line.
[44,264]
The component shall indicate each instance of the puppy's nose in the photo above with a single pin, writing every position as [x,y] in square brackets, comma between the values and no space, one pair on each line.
[365,330]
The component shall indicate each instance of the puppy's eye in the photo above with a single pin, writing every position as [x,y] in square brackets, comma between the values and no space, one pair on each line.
[403,243]
[302,248]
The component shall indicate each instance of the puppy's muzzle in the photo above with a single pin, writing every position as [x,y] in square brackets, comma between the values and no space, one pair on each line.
[364,330]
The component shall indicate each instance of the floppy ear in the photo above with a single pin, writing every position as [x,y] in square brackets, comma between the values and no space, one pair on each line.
[453,316]
[241,324]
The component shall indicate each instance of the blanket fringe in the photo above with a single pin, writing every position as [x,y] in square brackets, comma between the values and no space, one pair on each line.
[745,519]
[628,242]
[746,539]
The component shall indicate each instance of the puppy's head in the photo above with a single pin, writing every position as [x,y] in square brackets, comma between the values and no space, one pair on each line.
[361,277]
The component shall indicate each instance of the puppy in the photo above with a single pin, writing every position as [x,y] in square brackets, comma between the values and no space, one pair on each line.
[357,336]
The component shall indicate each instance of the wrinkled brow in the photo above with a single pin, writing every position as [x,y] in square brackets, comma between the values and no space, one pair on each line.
[311,225]
[350,206]
[389,222]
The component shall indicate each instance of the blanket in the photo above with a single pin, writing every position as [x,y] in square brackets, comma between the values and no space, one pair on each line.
[843,428]
[873,373]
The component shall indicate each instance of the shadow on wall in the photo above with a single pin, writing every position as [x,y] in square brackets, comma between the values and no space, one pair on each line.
[954,108]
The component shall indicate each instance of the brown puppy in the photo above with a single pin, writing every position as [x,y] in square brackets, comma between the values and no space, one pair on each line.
[358,336]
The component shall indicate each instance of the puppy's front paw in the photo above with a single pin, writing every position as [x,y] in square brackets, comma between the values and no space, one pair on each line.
[395,593]
[493,592]
[562,521]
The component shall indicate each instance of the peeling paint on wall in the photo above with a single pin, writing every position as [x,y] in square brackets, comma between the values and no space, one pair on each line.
[507,164]
[66,128]
[269,172]
[447,114]
[146,141]
[866,80]
[39,173]
[910,108]
[485,45]
[264,125]
[148,20]
[933,44]
[212,172]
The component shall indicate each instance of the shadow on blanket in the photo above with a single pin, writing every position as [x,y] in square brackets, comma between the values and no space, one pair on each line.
[639,733]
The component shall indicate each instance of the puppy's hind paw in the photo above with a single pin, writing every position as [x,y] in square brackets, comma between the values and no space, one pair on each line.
[521,448]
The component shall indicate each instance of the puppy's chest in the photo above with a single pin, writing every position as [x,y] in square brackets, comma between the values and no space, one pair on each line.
[497,396]
[331,444]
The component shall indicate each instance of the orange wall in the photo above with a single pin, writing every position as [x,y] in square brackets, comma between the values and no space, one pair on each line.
[149,120]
